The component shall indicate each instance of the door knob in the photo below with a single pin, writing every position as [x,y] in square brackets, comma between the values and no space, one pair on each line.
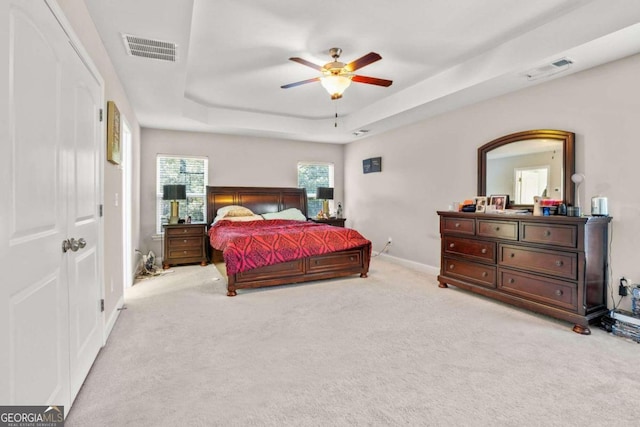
[82,243]
[66,245]
[75,245]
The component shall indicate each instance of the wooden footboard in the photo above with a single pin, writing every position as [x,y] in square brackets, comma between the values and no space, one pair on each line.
[326,266]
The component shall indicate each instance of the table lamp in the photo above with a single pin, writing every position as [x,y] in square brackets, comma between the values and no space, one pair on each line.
[325,194]
[174,193]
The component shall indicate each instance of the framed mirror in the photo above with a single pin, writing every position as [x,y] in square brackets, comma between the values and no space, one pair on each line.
[527,164]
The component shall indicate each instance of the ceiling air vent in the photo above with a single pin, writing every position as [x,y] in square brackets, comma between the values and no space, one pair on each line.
[149,48]
[555,67]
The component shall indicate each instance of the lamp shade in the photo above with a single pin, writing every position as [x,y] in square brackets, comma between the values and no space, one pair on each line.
[335,84]
[324,193]
[174,192]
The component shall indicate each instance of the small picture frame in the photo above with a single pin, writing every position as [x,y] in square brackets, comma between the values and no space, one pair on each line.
[481,204]
[500,201]
[113,133]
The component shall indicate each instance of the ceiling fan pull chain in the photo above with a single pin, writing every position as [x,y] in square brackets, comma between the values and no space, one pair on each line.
[335,124]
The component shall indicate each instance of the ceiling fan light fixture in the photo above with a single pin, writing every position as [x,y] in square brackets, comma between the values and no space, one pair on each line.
[335,84]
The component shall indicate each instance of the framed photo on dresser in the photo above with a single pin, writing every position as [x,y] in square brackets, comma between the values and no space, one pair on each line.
[481,204]
[500,201]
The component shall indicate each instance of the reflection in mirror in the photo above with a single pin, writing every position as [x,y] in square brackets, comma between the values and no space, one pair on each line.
[528,164]
[525,169]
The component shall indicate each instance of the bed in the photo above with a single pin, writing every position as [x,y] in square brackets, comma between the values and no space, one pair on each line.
[261,200]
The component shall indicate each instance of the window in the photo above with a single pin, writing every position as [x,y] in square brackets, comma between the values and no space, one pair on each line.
[189,171]
[311,176]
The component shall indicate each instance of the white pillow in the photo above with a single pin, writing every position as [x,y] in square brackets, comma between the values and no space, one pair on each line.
[291,213]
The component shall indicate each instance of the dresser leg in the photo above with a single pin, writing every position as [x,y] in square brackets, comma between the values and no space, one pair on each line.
[582,330]
[231,293]
[203,263]
[165,266]
[442,285]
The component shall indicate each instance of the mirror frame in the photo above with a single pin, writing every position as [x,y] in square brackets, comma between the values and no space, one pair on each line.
[568,161]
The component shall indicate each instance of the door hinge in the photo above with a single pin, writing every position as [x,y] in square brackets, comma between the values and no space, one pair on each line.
[100,208]
[101,114]
[101,305]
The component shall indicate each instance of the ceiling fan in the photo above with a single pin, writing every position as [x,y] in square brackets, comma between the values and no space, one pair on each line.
[337,76]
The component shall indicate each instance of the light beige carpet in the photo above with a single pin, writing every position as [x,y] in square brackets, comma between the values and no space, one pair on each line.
[392,349]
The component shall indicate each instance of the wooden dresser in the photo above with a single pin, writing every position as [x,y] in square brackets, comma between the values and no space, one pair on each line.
[554,265]
[184,244]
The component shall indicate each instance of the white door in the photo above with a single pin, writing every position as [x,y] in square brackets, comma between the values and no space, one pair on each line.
[82,142]
[49,299]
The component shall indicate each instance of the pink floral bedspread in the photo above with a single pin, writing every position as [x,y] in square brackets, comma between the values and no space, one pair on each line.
[253,244]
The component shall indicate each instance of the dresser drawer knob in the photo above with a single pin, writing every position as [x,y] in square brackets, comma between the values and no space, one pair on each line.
[511,255]
[185,240]
[512,280]
[451,266]
[184,231]
[559,263]
[497,228]
[452,245]
[484,250]
[185,252]
[457,225]
[485,274]
[352,258]
[547,233]
[559,292]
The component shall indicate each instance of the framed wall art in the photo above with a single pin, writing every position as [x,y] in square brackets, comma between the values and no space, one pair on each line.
[113,133]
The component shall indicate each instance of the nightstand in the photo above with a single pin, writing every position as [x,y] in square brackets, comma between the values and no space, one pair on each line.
[336,222]
[184,244]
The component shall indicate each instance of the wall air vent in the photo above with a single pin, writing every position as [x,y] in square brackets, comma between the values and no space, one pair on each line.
[548,70]
[149,48]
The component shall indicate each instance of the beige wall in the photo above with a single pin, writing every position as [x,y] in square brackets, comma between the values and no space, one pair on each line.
[233,160]
[428,165]
[79,18]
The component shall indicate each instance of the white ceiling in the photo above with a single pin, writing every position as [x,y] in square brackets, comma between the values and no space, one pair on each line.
[440,54]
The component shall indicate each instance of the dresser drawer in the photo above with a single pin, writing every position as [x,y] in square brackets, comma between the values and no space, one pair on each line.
[549,234]
[507,230]
[185,242]
[472,248]
[548,291]
[482,274]
[557,263]
[459,225]
[184,231]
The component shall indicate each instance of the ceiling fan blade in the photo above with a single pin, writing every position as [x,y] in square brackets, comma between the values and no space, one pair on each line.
[315,79]
[363,61]
[372,80]
[307,63]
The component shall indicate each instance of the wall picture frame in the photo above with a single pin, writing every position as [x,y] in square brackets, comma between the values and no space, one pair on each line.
[481,204]
[113,134]
[499,201]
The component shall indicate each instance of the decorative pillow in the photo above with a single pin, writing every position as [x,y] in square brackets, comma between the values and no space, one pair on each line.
[234,210]
[292,213]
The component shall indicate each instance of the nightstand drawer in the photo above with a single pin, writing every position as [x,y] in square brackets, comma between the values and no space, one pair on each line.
[185,253]
[184,231]
[185,242]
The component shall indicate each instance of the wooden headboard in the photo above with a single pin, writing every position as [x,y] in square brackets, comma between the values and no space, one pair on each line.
[259,199]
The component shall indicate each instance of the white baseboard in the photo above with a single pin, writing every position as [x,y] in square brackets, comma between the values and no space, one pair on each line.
[111,321]
[430,269]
